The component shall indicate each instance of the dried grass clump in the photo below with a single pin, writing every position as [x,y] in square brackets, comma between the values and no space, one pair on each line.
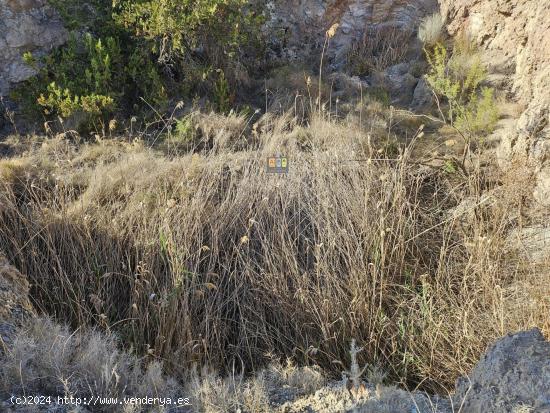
[213,394]
[205,259]
[431,29]
[261,392]
[48,359]
[302,380]
[380,48]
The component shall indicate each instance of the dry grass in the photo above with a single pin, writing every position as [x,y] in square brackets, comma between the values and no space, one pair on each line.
[431,29]
[205,260]
[379,49]
[47,359]
[212,394]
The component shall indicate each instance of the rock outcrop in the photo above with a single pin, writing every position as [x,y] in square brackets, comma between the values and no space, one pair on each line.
[302,25]
[513,374]
[514,37]
[15,306]
[25,26]
[298,32]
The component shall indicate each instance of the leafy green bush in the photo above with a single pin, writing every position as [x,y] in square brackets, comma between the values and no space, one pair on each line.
[222,95]
[214,32]
[196,40]
[122,52]
[88,85]
[471,107]
[92,77]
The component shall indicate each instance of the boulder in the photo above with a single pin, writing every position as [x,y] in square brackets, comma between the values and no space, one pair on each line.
[423,98]
[397,81]
[402,83]
[27,26]
[513,374]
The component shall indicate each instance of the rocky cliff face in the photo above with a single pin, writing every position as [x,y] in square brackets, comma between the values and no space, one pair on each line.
[25,26]
[298,32]
[302,25]
[514,35]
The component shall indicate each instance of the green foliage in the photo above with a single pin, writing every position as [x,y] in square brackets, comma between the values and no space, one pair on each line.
[222,97]
[210,33]
[185,128]
[121,53]
[85,81]
[207,45]
[379,94]
[61,102]
[458,79]
[93,77]
[450,166]
[90,15]
[484,114]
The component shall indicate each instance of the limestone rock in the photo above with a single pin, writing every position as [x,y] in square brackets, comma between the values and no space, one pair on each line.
[302,25]
[401,83]
[26,26]
[397,81]
[513,35]
[422,96]
[514,373]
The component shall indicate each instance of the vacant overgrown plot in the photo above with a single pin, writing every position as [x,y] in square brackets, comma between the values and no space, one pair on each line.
[205,259]
[163,258]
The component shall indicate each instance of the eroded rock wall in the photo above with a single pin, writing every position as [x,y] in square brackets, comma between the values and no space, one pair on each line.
[303,24]
[515,38]
[25,26]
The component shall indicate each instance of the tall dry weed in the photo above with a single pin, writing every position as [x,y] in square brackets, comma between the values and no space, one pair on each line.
[206,259]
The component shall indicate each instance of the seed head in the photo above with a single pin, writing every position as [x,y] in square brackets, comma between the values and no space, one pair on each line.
[332,31]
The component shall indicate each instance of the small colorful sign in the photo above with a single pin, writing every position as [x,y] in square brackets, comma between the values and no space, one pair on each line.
[277,165]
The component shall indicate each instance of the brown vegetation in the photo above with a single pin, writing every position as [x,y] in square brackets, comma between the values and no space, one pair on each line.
[206,260]
[379,49]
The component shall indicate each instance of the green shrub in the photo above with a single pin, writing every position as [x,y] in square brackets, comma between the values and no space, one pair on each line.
[471,107]
[61,102]
[185,128]
[122,53]
[482,114]
[204,33]
[93,77]
[93,16]
[379,94]
[222,95]
[86,81]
